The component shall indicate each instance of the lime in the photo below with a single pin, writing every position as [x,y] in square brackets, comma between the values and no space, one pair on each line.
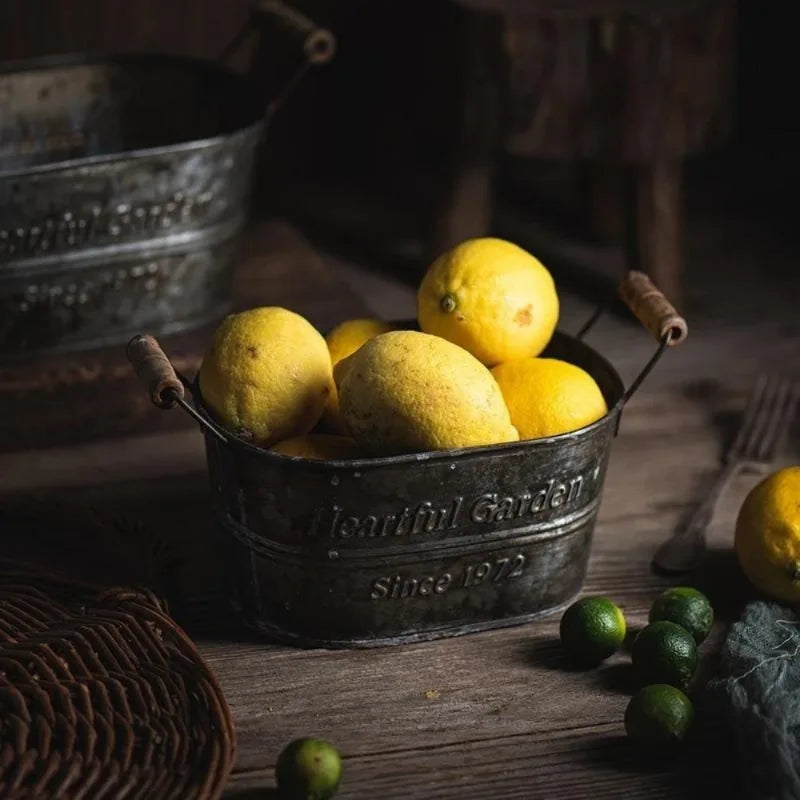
[592,629]
[308,769]
[664,652]
[658,715]
[687,607]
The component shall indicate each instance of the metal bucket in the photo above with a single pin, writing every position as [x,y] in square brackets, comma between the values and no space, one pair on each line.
[124,186]
[380,551]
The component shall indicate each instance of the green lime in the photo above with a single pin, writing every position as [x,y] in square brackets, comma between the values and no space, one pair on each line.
[687,607]
[592,629]
[658,715]
[664,652]
[308,769]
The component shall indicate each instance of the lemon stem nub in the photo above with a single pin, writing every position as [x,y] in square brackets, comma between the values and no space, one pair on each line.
[448,304]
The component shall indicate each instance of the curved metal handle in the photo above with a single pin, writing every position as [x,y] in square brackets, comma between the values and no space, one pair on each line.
[652,308]
[319,44]
[155,371]
[657,314]
[654,311]
[163,384]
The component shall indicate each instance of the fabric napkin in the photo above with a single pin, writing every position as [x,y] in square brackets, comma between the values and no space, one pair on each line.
[755,697]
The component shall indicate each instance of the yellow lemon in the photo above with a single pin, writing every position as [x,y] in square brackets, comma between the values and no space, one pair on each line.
[321,446]
[768,535]
[266,375]
[407,391]
[491,298]
[343,341]
[546,396]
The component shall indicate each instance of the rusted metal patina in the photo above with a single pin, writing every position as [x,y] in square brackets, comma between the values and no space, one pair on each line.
[124,186]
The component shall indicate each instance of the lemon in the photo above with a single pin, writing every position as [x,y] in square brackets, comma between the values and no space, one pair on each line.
[546,396]
[592,629]
[320,446]
[407,391]
[344,340]
[767,537]
[348,336]
[266,375]
[491,298]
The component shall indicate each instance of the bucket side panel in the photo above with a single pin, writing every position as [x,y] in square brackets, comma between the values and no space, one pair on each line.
[350,602]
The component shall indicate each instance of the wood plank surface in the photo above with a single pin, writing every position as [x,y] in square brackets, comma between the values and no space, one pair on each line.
[493,714]
[499,714]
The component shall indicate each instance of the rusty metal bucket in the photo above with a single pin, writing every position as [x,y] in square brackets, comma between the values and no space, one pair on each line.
[124,185]
[381,551]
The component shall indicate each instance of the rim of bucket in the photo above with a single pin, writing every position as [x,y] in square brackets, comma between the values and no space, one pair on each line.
[441,455]
[252,111]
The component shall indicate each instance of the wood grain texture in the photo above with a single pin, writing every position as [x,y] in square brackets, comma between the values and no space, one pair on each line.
[582,8]
[652,308]
[497,714]
[658,223]
[154,370]
[619,86]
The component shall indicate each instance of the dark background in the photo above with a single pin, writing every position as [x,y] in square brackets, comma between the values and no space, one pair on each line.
[369,133]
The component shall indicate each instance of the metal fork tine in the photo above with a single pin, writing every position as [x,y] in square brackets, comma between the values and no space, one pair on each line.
[793,400]
[769,412]
[766,411]
[751,411]
[778,420]
[792,403]
[764,443]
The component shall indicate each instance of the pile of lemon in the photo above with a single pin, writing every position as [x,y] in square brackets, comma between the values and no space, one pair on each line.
[472,375]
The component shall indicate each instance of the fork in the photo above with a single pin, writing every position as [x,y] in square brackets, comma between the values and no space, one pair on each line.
[768,414]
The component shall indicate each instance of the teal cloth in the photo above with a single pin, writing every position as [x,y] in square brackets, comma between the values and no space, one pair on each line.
[756,697]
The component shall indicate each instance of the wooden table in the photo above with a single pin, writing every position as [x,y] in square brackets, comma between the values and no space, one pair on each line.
[491,715]
[633,89]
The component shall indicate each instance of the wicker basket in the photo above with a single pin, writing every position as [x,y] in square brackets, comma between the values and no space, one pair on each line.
[103,696]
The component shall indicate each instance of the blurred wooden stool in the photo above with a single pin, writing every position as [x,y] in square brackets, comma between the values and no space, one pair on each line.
[633,87]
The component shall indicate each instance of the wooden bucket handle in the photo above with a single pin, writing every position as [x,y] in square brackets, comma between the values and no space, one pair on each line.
[649,305]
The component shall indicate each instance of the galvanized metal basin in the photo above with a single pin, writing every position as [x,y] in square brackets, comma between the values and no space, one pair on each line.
[380,551]
[412,547]
[124,185]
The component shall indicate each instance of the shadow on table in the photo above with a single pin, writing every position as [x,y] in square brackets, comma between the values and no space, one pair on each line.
[253,794]
[618,678]
[167,547]
[545,651]
[695,770]
[720,578]
[548,652]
